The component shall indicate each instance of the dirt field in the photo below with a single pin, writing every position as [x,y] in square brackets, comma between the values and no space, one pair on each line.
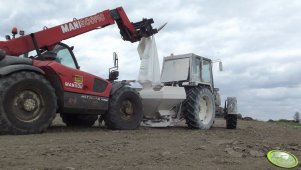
[150,148]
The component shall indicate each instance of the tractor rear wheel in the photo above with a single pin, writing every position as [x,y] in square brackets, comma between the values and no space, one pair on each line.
[199,108]
[231,121]
[27,103]
[79,119]
[125,110]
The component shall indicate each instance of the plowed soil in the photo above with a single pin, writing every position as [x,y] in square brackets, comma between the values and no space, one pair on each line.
[178,147]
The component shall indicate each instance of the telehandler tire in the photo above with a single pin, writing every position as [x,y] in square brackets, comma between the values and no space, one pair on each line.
[28,103]
[199,108]
[82,120]
[125,110]
[231,121]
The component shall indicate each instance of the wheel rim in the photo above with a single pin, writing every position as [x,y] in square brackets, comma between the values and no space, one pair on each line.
[206,109]
[127,109]
[27,105]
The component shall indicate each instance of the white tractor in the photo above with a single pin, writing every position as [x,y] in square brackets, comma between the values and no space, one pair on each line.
[184,91]
[187,92]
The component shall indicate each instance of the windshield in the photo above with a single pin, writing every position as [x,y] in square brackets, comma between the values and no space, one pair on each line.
[63,56]
[168,71]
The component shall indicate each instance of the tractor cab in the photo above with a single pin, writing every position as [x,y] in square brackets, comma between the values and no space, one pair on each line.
[192,71]
[64,55]
[187,70]
[61,53]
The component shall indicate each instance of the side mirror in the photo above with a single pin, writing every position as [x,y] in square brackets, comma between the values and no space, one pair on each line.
[115,59]
[220,66]
[113,71]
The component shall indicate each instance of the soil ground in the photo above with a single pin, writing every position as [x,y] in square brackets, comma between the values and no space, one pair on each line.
[174,148]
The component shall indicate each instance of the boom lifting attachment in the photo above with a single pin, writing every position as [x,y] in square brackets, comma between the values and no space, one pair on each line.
[48,37]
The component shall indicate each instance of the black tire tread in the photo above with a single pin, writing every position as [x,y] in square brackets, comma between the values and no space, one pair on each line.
[110,119]
[6,127]
[190,107]
[231,121]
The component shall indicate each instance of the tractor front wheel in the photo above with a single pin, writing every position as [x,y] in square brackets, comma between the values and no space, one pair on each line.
[27,103]
[125,110]
[199,108]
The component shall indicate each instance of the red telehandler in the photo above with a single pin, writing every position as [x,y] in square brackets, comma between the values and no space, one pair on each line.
[34,88]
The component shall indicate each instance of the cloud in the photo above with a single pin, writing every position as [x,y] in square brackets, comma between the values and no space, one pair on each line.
[258,42]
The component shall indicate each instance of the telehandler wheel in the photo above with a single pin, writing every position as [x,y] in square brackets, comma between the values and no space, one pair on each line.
[231,121]
[125,110]
[79,119]
[199,108]
[27,103]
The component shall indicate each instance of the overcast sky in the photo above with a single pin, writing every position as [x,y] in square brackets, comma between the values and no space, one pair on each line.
[258,42]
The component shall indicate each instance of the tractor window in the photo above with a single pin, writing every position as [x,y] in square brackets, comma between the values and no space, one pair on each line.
[206,71]
[64,56]
[175,70]
[196,72]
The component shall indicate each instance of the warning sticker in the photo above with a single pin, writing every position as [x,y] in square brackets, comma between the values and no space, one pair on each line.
[78,79]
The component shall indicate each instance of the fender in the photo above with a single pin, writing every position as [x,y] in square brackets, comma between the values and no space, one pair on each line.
[55,81]
[11,60]
[116,86]
[19,67]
